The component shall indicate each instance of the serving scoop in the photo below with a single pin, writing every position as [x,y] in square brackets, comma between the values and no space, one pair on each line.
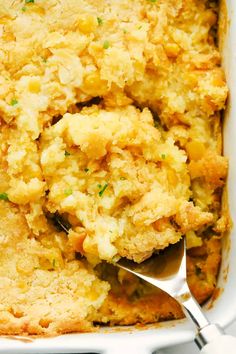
[167,271]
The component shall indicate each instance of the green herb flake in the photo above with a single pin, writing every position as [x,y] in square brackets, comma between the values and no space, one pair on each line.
[54,263]
[99,186]
[152,1]
[122,178]
[4,196]
[163,156]
[110,231]
[125,31]
[68,191]
[100,21]
[106,44]
[13,102]
[103,189]
[29,1]
[86,170]
[67,153]
[23,9]
[140,27]
[44,59]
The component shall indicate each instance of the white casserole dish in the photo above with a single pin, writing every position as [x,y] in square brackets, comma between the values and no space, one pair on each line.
[167,334]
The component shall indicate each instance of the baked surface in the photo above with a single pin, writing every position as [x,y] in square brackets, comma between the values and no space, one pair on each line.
[110,128]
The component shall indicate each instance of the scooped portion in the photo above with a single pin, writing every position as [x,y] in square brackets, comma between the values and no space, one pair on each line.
[122,187]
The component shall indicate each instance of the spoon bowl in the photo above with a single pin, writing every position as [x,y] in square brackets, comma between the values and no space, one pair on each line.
[167,271]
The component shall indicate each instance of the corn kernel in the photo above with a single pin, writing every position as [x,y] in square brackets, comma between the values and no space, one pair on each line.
[218,79]
[210,18]
[87,24]
[77,240]
[39,10]
[172,178]
[172,50]
[193,240]
[195,150]
[45,263]
[161,224]
[34,86]
[23,285]
[93,84]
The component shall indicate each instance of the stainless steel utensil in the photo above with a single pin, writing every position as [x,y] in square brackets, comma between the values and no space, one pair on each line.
[167,271]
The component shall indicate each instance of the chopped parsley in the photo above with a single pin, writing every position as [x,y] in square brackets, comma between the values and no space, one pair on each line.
[23,9]
[122,178]
[4,196]
[44,59]
[125,31]
[163,156]
[54,263]
[13,102]
[152,1]
[102,189]
[106,44]
[68,191]
[86,169]
[67,153]
[29,1]
[100,21]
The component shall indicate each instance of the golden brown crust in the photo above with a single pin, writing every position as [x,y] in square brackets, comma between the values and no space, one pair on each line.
[192,218]
[212,168]
[119,310]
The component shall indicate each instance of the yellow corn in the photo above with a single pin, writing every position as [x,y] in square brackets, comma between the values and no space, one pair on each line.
[172,50]
[34,86]
[195,150]
[93,84]
[87,24]
[172,178]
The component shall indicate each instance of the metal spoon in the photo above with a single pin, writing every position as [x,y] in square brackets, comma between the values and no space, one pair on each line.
[167,271]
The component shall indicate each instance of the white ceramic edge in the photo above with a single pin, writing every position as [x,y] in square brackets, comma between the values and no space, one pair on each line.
[146,341]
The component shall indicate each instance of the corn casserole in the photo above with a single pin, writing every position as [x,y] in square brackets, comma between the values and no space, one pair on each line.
[111,146]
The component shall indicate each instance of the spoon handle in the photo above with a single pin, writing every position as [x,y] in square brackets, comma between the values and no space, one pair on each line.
[220,345]
[210,338]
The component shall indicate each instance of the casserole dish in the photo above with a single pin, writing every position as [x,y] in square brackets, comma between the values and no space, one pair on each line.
[149,339]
